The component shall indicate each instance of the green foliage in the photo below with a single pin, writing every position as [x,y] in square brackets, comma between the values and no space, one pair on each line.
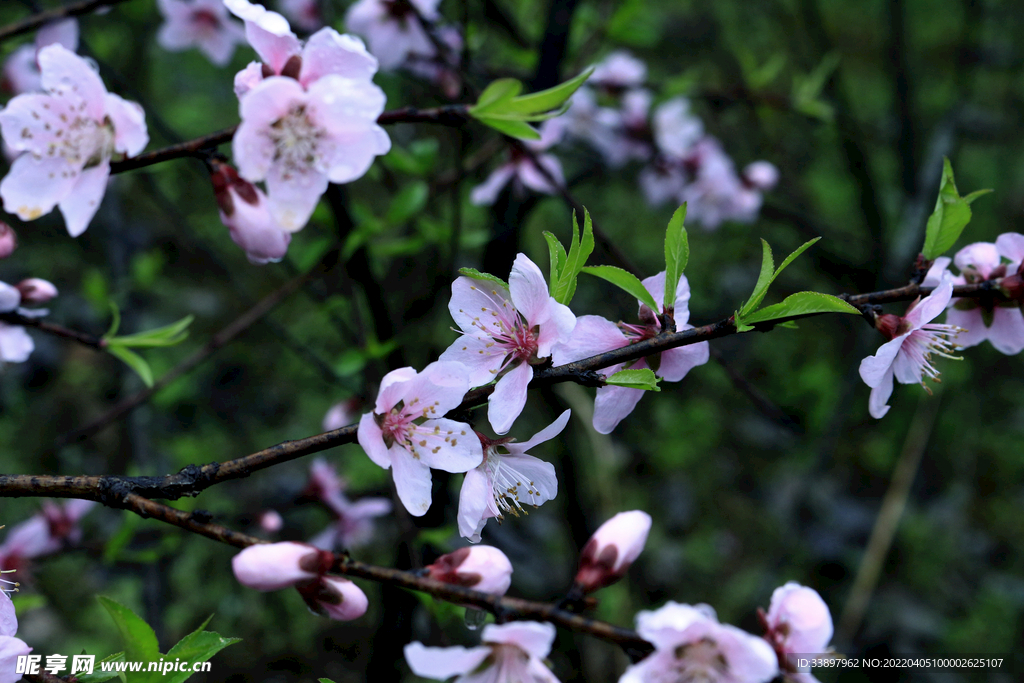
[951,215]
[625,281]
[807,89]
[501,107]
[120,347]
[635,379]
[566,267]
[677,253]
[477,275]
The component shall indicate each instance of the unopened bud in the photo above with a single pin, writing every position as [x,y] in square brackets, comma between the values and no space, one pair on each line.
[273,566]
[612,549]
[8,240]
[270,521]
[889,325]
[798,620]
[334,597]
[36,290]
[10,297]
[761,175]
[479,567]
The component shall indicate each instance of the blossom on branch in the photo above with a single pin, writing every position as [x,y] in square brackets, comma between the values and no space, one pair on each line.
[408,433]
[691,645]
[274,566]
[202,24]
[912,341]
[10,647]
[67,137]
[511,652]
[595,335]
[504,333]
[21,72]
[45,533]
[797,622]
[541,172]
[353,525]
[244,209]
[507,478]
[481,568]
[393,29]
[15,343]
[612,549]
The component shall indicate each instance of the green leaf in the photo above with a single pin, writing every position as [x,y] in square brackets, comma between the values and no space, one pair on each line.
[499,108]
[547,100]
[409,201]
[801,303]
[764,279]
[741,325]
[499,91]
[134,361]
[635,379]
[515,128]
[115,322]
[624,280]
[325,680]
[677,253]
[792,257]
[580,250]
[139,640]
[951,215]
[168,335]
[557,256]
[477,275]
[198,646]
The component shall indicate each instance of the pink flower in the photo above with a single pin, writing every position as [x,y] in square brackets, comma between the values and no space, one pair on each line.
[273,566]
[676,129]
[244,210]
[988,317]
[715,193]
[298,140]
[203,24]
[271,521]
[690,645]
[798,620]
[511,652]
[8,240]
[408,433]
[524,171]
[600,127]
[68,136]
[761,175]
[342,414]
[506,331]
[619,71]
[507,478]
[10,647]
[283,54]
[354,521]
[481,568]
[393,29]
[303,13]
[21,70]
[35,290]
[907,355]
[15,344]
[612,549]
[596,335]
[45,533]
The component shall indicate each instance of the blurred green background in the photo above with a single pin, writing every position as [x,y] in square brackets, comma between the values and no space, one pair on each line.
[761,467]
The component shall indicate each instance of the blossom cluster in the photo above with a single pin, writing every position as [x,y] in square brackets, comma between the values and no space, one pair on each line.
[15,343]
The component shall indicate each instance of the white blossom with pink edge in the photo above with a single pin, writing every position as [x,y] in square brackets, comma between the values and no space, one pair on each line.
[353,525]
[912,341]
[619,71]
[986,318]
[51,530]
[408,433]
[596,335]
[274,566]
[10,647]
[15,343]
[298,140]
[392,28]
[797,622]
[202,24]
[67,135]
[283,54]
[510,652]
[506,331]
[691,645]
[303,13]
[523,171]
[244,210]
[612,549]
[507,478]
[21,69]
[481,568]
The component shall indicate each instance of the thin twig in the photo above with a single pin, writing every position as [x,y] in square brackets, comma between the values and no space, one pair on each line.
[15,318]
[36,20]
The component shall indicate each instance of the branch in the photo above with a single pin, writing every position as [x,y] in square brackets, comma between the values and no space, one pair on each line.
[194,478]
[36,20]
[449,115]
[15,318]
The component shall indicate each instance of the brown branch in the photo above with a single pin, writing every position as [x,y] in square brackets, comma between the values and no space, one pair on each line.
[202,147]
[193,479]
[36,20]
[15,318]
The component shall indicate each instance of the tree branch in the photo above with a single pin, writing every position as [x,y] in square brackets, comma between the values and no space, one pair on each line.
[15,318]
[36,20]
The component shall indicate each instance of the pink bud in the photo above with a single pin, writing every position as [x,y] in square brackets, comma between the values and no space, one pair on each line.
[36,290]
[761,174]
[342,414]
[273,566]
[334,597]
[612,549]
[798,620]
[10,297]
[271,521]
[479,567]
[8,240]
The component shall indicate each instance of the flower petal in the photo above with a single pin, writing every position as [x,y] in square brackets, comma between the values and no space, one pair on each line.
[412,481]
[879,399]
[487,192]
[292,194]
[482,358]
[441,663]
[474,507]
[268,32]
[34,186]
[874,368]
[481,308]
[330,52]
[529,291]
[83,201]
[507,401]
[371,439]
[591,336]
[130,134]
[1007,331]
[65,73]
[1011,246]
[675,363]
[447,445]
[613,404]
[546,434]
[532,637]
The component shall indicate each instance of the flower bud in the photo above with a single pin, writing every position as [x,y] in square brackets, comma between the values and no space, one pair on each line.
[612,549]
[334,597]
[798,620]
[761,175]
[342,414]
[479,567]
[273,566]
[8,240]
[270,521]
[244,210]
[10,298]
[36,290]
